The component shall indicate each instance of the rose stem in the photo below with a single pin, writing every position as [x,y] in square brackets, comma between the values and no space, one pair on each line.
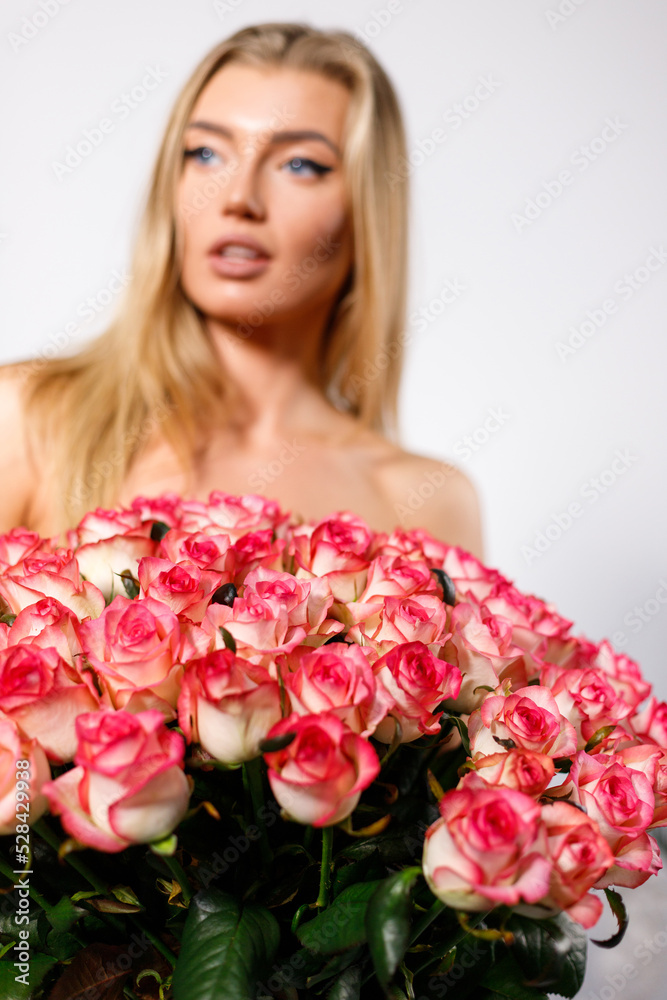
[458,937]
[326,867]
[252,770]
[426,919]
[34,894]
[180,876]
[43,830]
[81,867]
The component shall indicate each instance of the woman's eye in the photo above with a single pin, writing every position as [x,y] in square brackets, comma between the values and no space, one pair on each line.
[201,154]
[311,166]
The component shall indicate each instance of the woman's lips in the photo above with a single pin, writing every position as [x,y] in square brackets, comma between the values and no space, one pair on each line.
[230,266]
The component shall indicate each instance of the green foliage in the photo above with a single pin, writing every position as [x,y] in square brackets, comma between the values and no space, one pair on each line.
[226,948]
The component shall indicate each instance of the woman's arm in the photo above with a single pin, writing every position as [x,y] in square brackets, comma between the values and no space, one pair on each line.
[17,476]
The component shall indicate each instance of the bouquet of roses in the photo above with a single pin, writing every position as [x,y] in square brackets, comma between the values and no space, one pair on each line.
[245,757]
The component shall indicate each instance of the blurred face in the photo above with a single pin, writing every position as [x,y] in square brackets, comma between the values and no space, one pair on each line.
[261,203]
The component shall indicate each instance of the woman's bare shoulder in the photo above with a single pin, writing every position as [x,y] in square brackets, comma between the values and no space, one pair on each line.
[18,478]
[432,494]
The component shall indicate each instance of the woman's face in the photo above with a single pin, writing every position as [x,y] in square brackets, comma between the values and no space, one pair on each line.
[263,159]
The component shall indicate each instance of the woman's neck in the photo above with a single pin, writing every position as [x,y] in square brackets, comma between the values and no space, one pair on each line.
[273,376]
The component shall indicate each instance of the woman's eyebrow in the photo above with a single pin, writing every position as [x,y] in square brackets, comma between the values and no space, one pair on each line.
[290,135]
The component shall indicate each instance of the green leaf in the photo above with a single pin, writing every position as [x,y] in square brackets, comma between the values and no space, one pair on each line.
[462,728]
[225,950]
[334,966]
[504,980]
[347,986]
[551,953]
[228,639]
[618,909]
[10,987]
[598,736]
[62,945]
[276,743]
[370,867]
[342,925]
[85,894]
[388,923]
[130,584]
[64,914]
[158,530]
[125,894]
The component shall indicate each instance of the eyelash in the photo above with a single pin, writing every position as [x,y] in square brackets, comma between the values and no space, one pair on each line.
[319,168]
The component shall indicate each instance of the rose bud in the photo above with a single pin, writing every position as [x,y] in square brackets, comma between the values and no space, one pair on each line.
[228,705]
[417,681]
[580,856]
[129,786]
[487,848]
[320,775]
[336,679]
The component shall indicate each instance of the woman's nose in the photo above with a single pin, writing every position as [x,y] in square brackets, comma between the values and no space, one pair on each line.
[242,196]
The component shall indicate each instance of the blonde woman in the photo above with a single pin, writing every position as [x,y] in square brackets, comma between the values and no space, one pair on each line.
[258,347]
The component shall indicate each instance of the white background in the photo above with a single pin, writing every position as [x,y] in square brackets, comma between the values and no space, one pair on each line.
[556,72]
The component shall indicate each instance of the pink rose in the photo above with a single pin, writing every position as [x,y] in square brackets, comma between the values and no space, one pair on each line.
[128,787]
[51,574]
[396,576]
[260,628]
[183,587]
[487,847]
[660,793]
[335,548]
[585,698]
[469,576]
[166,508]
[101,524]
[534,622]
[134,648]
[227,705]
[420,618]
[528,718]
[580,856]
[338,679]
[651,722]
[15,545]
[417,543]
[232,515]
[306,602]
[47,623]
[523,770]
[23,771]
[208,551]
[481,647]
[319,777]
[102,562]
[416,682]
[254,549]
[44,695]
[621,672]
[620,799]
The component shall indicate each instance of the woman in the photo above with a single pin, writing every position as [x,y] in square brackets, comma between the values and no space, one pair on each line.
[258,347]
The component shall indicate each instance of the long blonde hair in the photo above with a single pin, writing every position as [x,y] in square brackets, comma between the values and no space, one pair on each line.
[155,363]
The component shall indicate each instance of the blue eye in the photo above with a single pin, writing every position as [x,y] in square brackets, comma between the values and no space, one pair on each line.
[300,161]
[201,154]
